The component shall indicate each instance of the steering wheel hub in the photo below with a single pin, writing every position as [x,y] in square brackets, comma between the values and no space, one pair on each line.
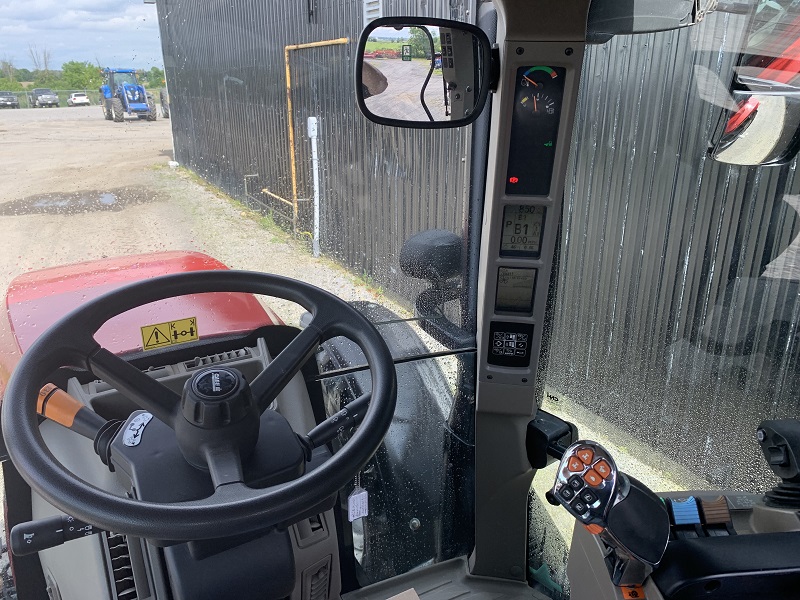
[215,398]
[214,384]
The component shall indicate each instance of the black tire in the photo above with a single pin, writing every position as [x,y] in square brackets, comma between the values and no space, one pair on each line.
[117,110]
[164,98]
[151,105]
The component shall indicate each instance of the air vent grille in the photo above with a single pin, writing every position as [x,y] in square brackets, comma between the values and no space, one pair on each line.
[121,568]
[316,580]
[214,359]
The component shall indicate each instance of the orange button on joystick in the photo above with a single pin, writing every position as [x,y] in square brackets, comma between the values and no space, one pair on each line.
[603,468]
[575,465]
[586,455]
[592,478]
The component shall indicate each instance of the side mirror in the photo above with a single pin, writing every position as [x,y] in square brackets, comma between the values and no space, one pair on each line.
[420,72]
[762,129]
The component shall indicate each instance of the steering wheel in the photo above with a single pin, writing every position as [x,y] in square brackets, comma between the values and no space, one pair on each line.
[233,508]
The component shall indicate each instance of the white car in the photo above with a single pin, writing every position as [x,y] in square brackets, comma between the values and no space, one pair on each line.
[78,99]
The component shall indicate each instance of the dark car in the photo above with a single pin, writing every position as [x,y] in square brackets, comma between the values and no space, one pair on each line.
[8,100]
[41,97]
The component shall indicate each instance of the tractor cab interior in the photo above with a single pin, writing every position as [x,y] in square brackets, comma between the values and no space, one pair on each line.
[169,435]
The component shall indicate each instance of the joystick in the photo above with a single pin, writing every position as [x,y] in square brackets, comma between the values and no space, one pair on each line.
[629,518]
[780,443]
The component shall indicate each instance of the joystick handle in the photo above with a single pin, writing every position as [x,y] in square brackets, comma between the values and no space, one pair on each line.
[623,511]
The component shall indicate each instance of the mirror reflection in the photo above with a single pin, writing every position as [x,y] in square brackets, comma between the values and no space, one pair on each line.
[760,129]
[421,73]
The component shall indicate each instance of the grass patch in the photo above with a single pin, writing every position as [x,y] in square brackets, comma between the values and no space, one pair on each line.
[265,220]
[383,45]
[370,284]
[300,243]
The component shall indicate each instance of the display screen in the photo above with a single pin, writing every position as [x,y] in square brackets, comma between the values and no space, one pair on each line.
[522,230]
[515,288]
[534,129]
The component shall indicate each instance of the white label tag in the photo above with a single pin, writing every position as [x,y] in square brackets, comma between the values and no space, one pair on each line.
[358,504]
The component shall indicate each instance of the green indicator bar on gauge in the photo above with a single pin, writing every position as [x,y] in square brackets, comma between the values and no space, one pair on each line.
[547,70]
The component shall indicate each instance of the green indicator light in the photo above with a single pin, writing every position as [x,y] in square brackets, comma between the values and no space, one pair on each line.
[549,144]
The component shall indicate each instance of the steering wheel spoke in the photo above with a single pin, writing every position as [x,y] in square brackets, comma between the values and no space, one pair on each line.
[162,402]
[224,466]
[269,383]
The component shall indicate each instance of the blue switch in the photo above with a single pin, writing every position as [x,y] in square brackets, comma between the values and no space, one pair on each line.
[684,511]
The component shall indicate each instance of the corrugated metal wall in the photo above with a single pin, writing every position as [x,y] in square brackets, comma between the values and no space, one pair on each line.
[225,70]
[663,259]
[664,250]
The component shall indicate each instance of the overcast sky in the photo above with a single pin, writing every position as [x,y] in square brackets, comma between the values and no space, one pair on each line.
[117,33]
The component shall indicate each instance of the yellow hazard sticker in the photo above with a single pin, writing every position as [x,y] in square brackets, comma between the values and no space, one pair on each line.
[170,333]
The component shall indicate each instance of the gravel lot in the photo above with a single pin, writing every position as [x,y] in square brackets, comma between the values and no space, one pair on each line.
[55,206]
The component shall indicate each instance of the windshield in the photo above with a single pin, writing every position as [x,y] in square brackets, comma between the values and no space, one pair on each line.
[193,173]
[672,324]
[123,78]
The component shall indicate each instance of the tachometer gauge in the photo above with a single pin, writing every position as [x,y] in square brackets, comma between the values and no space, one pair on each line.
[539,103]
[537,77]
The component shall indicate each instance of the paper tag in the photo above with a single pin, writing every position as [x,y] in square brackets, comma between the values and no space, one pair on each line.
[358,504]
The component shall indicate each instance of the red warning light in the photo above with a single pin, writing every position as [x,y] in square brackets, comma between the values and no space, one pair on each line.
[513,179]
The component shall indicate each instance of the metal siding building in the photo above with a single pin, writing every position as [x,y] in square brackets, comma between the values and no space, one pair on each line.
[225,67]
[663,253]
[664,257]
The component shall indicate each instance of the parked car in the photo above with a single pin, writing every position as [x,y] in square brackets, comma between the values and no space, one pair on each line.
[8,100]
[41,97]
[78,99]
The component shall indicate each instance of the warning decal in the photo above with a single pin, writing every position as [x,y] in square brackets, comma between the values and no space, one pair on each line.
[633,592]
[169,333]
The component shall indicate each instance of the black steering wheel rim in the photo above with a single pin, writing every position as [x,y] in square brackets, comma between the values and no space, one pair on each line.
[233,509]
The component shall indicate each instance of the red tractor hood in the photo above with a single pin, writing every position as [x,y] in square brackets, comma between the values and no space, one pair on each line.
[38,299]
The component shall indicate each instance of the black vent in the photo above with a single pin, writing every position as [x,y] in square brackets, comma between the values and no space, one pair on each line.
[121,570]
[214,359]
[316,580]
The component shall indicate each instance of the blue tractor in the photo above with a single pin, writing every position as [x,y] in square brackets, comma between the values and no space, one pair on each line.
[123,94]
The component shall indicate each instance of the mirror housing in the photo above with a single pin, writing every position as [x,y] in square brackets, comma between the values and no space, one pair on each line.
[433,254]
[762,129]
[422,72]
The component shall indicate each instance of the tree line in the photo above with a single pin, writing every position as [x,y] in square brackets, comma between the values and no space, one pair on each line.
[73,75]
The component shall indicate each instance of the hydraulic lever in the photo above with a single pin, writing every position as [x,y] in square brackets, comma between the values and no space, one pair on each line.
[629,518]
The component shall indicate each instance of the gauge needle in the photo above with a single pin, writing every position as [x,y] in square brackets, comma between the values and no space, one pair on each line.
[535,107]
[533,83]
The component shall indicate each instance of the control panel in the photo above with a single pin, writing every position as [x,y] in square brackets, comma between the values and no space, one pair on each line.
[511,344]
[534,129]
[526,221]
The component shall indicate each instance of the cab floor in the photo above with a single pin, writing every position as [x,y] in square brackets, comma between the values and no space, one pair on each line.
[446,580]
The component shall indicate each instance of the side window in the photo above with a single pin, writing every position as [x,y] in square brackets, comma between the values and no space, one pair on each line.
[675,326]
